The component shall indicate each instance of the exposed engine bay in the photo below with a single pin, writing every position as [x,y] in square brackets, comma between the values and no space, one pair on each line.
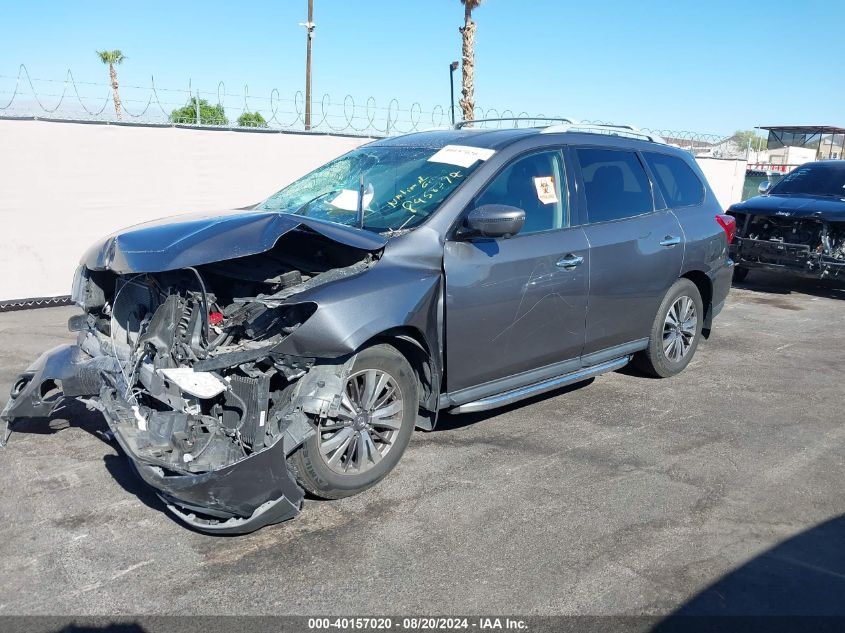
[811,246]
[184,367]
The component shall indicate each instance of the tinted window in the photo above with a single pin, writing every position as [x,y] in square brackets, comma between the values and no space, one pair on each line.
[678,183]
[615,184]
[533,184]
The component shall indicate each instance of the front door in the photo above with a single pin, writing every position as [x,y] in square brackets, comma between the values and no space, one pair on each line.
[636,253]
[517,304]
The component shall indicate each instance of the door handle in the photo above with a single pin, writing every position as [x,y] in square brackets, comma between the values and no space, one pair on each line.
[670,240]
[568,262]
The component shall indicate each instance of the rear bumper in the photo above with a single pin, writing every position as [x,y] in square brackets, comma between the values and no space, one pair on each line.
[794,259]
[721,287]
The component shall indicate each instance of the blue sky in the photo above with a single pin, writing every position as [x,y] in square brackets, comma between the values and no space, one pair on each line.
[707,66]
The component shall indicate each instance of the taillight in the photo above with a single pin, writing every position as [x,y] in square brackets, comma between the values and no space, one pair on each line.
[727,222]
[215,318]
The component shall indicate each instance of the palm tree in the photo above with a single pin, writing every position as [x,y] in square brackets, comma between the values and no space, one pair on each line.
[468,53]
[111,58]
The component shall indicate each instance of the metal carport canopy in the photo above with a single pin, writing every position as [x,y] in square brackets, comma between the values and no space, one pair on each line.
[803,129]
[803,135]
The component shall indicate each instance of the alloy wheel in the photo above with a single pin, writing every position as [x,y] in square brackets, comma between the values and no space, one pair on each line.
[367,424]
[679,328]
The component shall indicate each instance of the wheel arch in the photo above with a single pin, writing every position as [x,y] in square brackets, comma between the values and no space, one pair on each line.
[412,344]
[705,288]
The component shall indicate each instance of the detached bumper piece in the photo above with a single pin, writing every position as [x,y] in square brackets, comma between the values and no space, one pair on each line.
[65,370]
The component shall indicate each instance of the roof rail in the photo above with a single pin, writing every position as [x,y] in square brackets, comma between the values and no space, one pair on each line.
[462,124]
[563,124]
[604,128]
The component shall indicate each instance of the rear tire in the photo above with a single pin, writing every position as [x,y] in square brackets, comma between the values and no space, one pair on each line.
[740,273]
[358,449]
[675,332]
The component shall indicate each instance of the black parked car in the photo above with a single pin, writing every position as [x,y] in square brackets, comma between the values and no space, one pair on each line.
[797,226]
[239,358]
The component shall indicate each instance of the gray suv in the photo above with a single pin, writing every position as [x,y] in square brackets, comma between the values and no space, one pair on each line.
[243,358]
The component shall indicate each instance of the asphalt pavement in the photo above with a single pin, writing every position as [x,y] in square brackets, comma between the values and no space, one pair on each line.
[717,491]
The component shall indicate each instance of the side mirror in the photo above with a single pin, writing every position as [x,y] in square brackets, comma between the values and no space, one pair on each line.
[495,220]
[764,186]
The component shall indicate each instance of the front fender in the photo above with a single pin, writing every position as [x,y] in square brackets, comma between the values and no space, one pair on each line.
[353,311]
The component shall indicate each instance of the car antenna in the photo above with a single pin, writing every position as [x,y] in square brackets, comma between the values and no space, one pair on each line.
[360,211]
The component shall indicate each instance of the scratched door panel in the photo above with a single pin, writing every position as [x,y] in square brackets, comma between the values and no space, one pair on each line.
[510,307]
[630,272]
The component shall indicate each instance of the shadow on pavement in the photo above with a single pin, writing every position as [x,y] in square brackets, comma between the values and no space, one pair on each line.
[73,414]
[785,284]
[68,414]
[797,585]
[130,627]
[121,469]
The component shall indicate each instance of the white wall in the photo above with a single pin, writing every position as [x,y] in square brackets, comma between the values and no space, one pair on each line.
[726,177]
[64,185]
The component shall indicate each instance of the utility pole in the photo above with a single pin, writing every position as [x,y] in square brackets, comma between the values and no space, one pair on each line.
[452,68]
[309,28]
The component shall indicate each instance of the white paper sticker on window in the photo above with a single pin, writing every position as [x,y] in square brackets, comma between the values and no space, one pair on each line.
[347,200]
[545,186]
[461,155]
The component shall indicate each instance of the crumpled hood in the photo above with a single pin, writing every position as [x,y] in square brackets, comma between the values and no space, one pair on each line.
[194,240]
[799,207]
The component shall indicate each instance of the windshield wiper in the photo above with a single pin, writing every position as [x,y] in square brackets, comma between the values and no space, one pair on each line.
[359,211]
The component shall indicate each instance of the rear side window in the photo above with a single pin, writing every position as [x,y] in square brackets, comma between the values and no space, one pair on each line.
[678,183]
[615,184]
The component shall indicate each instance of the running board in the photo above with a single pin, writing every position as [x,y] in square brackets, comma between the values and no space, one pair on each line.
[515,395]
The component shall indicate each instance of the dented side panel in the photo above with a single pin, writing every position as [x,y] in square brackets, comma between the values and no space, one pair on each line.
[350,314]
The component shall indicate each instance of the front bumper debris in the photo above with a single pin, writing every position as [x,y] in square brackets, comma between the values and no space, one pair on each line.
[237,498]
[776,256]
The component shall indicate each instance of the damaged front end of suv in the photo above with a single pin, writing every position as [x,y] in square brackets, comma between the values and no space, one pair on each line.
[206,346]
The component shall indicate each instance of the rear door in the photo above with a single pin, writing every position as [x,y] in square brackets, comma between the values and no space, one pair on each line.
[636,252]
[517,304]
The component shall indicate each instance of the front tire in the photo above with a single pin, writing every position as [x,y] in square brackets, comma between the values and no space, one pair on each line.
[675,332]
[363,444]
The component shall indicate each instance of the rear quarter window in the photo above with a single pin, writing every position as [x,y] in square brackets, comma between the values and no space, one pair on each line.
[679,184]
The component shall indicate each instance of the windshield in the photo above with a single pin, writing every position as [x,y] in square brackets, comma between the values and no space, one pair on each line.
[402,187]
[815,180]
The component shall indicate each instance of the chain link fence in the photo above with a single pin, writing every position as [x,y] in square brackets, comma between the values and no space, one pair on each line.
[23,96]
